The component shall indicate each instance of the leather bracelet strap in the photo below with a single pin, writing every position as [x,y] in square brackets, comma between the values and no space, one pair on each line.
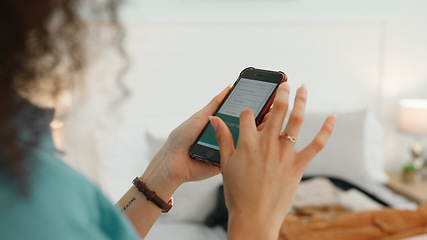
[151,195]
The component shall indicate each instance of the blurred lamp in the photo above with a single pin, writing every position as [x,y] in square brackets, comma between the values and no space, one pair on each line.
[413,120]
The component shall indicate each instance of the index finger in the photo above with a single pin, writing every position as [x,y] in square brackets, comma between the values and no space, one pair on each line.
[247,127]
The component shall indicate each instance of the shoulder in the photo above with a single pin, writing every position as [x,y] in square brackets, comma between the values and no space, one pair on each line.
[62,202]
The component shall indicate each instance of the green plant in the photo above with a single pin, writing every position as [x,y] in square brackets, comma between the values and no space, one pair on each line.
[409,168]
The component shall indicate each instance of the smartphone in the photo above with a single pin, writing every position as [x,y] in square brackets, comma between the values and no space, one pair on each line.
[254,88]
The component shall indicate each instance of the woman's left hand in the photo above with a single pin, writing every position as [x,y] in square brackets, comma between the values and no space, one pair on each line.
[172,165]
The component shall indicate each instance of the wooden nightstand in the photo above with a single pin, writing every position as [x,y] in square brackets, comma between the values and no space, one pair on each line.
[416,191]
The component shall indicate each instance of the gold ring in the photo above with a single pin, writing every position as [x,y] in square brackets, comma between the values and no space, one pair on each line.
[290,138]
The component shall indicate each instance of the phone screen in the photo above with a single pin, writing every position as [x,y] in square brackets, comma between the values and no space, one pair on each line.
[247,93]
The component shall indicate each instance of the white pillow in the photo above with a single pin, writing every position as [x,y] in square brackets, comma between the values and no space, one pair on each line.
[354,152]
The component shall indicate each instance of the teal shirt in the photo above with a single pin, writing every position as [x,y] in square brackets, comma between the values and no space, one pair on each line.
[62,205]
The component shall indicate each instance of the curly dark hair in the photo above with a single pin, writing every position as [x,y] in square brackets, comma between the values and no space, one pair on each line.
[42,53]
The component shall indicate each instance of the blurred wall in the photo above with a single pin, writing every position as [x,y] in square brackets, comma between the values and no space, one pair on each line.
[350,54]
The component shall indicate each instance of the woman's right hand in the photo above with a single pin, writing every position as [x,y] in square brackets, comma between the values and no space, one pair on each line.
[262,173]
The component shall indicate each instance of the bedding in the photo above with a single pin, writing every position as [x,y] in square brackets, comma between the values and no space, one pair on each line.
[386,224]
[360,215]
[315,197]
[340,195]
[344,211]
[354,155]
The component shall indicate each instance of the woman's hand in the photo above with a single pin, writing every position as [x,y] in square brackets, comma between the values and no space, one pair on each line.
[262,173]
[172,165]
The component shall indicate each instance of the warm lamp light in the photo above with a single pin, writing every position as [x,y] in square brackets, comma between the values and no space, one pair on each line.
[413,116]
[413,120]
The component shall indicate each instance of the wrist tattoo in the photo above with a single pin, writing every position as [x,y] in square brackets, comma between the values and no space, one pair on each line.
[127,205]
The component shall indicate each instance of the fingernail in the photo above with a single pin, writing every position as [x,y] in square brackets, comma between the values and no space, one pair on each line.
[214,123]
[303,88]
[334,115]
[230,86]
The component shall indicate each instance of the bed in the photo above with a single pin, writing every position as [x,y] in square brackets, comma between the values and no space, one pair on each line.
[354,155]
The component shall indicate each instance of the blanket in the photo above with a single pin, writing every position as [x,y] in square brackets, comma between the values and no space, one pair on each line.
[385,224]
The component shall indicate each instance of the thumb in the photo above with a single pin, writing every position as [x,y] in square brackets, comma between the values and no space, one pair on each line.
[224,139]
